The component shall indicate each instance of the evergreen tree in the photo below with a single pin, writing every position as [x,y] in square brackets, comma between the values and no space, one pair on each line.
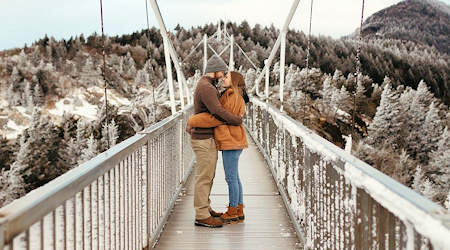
[13,98]
[28,96]
[344,99]
[90,151]
[15,185]
[414,118]
[73,153]
[418,179]
[110,135]
[360,89]
[15,76]
[339,78]
[327,90]
[428,189]
[432,130]
[386,126]
[423,95]
[440,160]
[82,131]
[38,97]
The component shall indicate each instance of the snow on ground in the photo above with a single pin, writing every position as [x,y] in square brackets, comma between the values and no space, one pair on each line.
[114,98]
[75,104]
[342,113]
[16,119]
[13,129]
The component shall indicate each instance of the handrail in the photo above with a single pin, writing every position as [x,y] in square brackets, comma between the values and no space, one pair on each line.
[164,140]
[321,184]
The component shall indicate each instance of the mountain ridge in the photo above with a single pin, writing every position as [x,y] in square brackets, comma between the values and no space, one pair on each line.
[425,22]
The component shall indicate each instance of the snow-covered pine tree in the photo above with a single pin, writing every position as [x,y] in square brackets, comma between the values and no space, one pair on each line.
[14,185]
[327,90]
[29,104]
[38,96]
[440,160]
[110,135]
[360,89]
[386,126]
[418,179]
[15,75]
[13,98]
[414,118]
[338,79]
[429,189]
[431,132]
[344,100]
[423,94]
[90,151]
[82,131]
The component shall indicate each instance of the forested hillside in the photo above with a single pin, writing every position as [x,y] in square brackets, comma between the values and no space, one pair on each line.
[425,22]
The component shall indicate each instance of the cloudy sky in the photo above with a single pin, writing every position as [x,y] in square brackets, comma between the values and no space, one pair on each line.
[24,21]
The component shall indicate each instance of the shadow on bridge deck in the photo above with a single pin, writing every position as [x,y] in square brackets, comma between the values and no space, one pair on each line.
[267,224]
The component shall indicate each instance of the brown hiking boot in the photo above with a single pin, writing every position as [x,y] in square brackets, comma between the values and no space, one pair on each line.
[240,212]
[230,216]
[209,222]
[215,214]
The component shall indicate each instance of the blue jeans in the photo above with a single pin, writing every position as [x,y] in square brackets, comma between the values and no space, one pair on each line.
[230,164]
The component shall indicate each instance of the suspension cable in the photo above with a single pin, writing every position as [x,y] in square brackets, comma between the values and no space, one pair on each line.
[104,74]
[358,67]
[246,56]
[307,61]
[192,51]
[148,24]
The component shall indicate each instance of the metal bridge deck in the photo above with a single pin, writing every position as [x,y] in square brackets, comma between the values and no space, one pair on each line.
[267,224]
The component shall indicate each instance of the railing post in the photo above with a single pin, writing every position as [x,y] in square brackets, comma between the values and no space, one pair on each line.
[231,66]
[205,52]
[282,63]
[181,152]
[169,75]
[266,89]
[180,87]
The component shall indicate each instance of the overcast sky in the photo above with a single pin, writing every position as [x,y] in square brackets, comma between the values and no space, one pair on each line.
[25,21]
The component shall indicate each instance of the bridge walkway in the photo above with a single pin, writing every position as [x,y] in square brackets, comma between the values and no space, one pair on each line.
[267,224]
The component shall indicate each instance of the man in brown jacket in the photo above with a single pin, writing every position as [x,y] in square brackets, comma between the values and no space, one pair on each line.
[202,141]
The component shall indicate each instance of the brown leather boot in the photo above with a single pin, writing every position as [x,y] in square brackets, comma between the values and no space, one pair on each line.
[230,216]
[215,214]
[240,212]
[209,222]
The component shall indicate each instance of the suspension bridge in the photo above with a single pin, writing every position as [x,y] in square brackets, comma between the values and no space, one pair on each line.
[300,191]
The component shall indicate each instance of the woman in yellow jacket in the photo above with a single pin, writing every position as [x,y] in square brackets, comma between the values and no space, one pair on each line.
[231,140]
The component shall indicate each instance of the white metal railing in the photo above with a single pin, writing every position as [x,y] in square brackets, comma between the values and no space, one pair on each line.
[337,201]
[118,200]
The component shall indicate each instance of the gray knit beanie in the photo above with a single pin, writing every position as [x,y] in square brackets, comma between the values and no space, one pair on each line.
[215,64]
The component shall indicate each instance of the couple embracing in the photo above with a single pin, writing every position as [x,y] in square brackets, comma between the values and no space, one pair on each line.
[217,126]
